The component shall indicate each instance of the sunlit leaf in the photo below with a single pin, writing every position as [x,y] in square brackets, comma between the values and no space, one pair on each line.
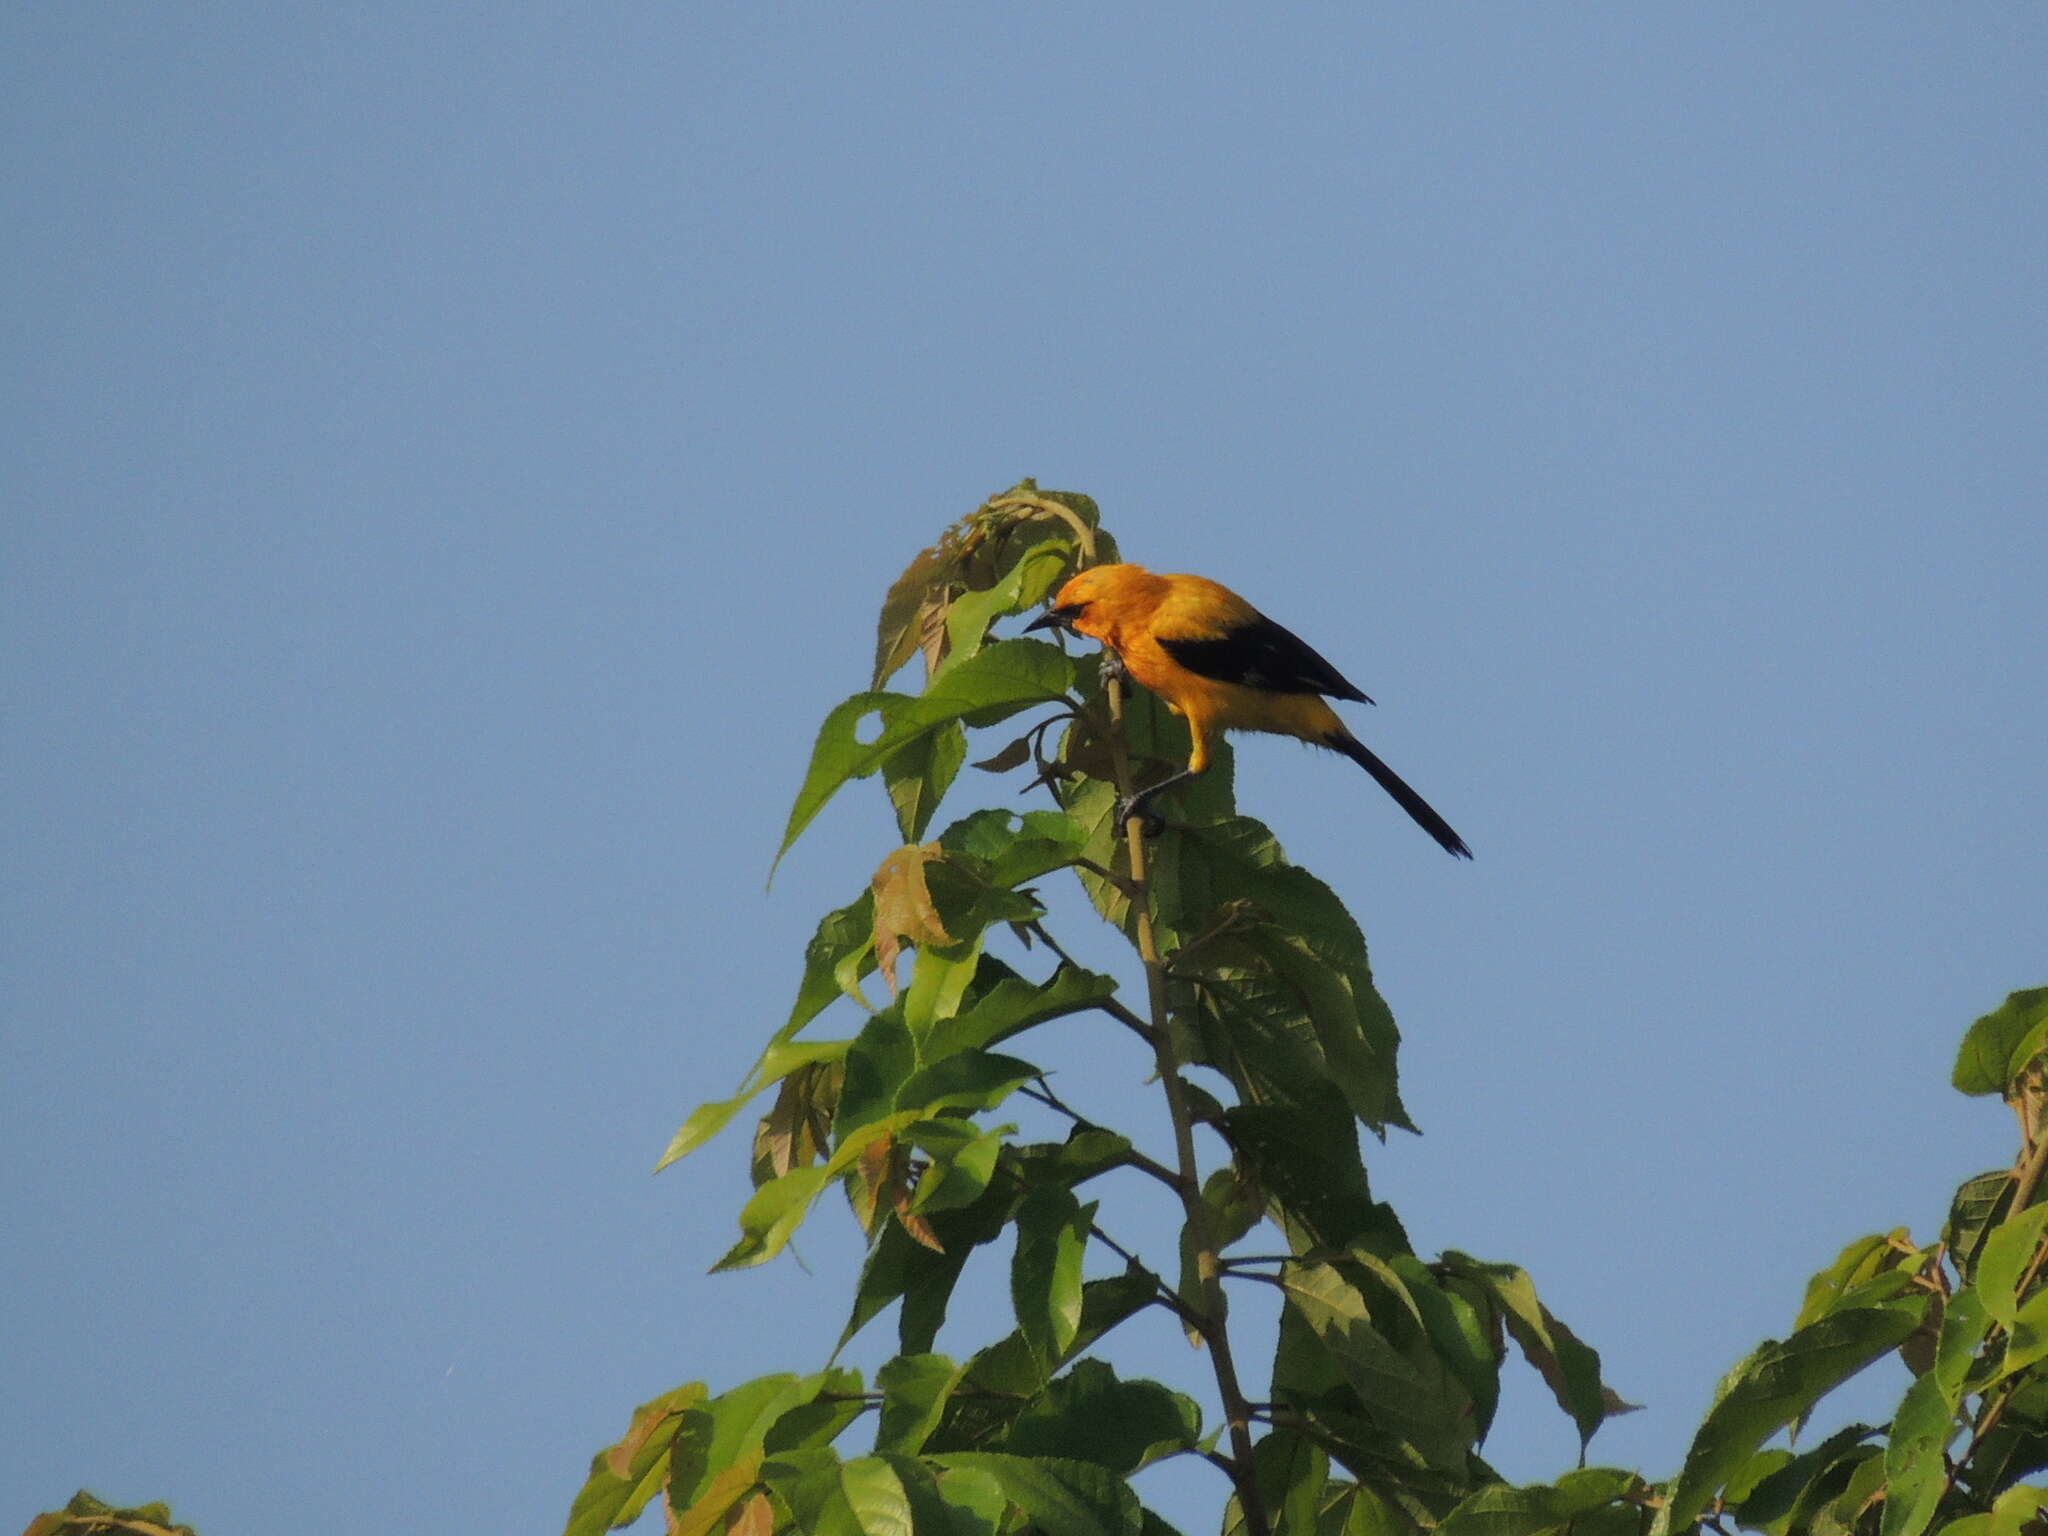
[875,1495]
[1915,1465]
[766,1221]
[980,690]
[728,1485]
[2008,1255]
[1858,1263]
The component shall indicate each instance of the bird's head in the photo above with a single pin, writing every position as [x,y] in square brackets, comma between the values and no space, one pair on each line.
[1085,603]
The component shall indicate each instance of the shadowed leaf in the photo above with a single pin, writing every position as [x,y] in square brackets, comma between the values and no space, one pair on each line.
[2003,1043]
[1045,1274]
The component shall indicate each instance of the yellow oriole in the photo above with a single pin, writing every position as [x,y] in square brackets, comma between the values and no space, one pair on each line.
[1221,665]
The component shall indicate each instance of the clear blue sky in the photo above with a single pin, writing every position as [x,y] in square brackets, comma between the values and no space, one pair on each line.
[451,458]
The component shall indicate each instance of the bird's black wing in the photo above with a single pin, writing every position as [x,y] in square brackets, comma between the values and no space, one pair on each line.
[1261,654]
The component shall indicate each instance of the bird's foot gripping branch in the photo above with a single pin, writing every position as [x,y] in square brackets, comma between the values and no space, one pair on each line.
[1257,1019]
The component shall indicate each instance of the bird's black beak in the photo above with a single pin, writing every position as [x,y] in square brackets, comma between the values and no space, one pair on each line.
[1055,618]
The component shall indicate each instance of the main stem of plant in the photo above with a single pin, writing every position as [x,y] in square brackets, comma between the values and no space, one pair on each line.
[1213,1309]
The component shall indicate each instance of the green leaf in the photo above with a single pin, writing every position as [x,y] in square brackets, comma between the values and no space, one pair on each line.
[914,1393]
[2018,1031]
[1014,849]
[980,690]
[1089,1415]
[2002,1044]
[1915,1470]
[2028,1341]
[1858,1263]
[881,1060]
[998,559]
[962,1162]
[2008,1252]
[974,1500]
[1979,1204]
[2017,1508]
[918,777]
[1964,1323]
[1014,1005]
[1061,1498]
[731,1430]
[971,1080]
[1305,1158]
[1766,1501]
[1456,1335]
[1568,1367]
[1038,570]
[780,1059]
[839,954]
[1274,970]
[1291,1471]
[1399,1397]
[1045,1273]
[1007,1374]
[875,1495]
[776,1211]
[899,1267]
[1503,1511]
[1775,1385]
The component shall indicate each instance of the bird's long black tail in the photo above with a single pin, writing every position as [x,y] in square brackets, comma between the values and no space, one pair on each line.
[1425,815]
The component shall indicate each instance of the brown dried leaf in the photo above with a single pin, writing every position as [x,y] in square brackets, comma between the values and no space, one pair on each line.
[875,1159]
[754,1516]
[904,912]
[797,1131]
[917,1226]
[651,1419]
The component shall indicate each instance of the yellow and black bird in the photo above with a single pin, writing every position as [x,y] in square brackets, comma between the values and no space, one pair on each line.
[1221,665]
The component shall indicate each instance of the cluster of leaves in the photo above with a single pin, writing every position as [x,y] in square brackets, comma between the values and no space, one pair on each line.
[88,1516]
[1387,1370]
[1968,1316]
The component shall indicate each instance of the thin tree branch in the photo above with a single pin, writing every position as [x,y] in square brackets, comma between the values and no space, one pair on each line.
[1131,1158]
[1108,1005]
